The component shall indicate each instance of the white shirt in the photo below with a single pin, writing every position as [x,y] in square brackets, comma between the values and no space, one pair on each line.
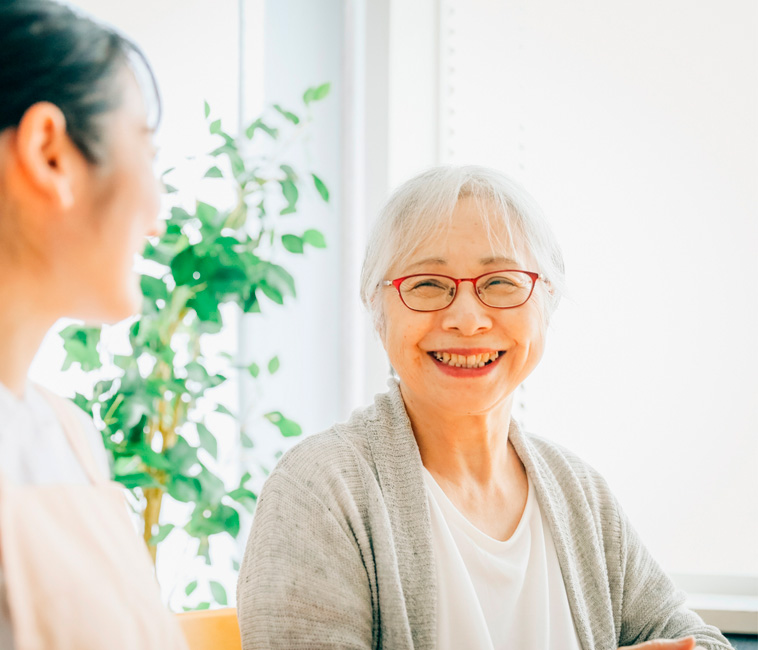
[34,450]
[495,595]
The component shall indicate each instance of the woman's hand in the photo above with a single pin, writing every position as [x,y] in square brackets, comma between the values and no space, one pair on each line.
[687,643]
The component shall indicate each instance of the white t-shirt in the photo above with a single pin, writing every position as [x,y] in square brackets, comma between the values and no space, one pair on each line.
[495,595]
[34,450]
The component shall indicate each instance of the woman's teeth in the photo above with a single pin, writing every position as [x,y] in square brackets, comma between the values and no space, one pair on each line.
[463,361]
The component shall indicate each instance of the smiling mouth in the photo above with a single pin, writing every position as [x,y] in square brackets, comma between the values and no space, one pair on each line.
[466,361]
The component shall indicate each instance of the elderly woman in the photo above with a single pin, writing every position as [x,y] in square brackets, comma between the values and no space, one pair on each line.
[430,520]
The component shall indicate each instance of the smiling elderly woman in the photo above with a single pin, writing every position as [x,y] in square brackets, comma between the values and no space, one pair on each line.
[429,520]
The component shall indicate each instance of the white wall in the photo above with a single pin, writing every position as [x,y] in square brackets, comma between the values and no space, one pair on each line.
[634,125]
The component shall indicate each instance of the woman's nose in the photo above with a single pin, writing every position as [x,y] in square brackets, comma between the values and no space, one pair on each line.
[467,313]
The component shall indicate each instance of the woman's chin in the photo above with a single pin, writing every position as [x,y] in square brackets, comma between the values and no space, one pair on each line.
[464,400]
[110,309]
[129,306]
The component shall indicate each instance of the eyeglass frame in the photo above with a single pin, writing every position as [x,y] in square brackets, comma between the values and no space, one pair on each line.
[398,281]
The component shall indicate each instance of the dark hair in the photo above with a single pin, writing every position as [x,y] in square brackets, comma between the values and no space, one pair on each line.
[49,53]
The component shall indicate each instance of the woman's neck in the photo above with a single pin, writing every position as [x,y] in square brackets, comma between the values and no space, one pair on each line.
[24,321]
[459,446]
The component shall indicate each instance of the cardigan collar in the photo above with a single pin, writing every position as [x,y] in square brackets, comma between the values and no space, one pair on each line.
[399,471]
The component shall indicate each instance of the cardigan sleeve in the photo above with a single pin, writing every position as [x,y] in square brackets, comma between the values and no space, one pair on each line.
[652,607]
[302,581]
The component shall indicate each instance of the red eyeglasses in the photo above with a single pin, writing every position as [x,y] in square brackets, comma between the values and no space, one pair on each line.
[432,292]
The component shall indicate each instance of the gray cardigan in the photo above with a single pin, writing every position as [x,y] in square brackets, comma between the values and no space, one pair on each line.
[340,552]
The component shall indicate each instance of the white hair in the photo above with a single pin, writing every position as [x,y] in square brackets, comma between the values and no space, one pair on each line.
[422,207]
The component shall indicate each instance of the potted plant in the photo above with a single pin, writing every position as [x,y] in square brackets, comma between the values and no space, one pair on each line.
[150,402]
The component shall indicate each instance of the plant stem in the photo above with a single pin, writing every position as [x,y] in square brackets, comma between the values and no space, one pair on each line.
[151,517]
[168,430]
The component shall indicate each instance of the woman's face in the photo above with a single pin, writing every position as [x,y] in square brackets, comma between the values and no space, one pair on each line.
[466,327]
[116,208]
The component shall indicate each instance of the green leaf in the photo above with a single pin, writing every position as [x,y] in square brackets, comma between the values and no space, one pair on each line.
[254,370]
[220,408]
[207,520]
[178,217]
[205,604]
[260,124]
[292,243]
[316,93]
[245,497]
[215,127]
[80,344]
[126,465]
[287,428]
[290,194]
[169,189]
[137,479]
[314,238]
[207,109]
[207,440]
[192,585]
[272,294]
[162,533]
[182,456]
[321,187]
[273,365]
[252,305]
[149,457]
[213,487]
[205,305]
[154,288]
[247,443]
[83,403]
[290,116]
[196,371]
[186,489]
[206,213]
[219,593]
[213,172]
[183,266]
[204,548]
[322,91]
[280,279]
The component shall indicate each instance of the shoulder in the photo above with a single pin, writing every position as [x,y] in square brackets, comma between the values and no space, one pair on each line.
[333,465]
[94,441]
[41,399]
[559,470]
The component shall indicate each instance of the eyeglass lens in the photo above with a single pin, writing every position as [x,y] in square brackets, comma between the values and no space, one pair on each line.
[432,292]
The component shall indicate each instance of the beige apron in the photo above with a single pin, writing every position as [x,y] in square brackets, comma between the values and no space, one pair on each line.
[77,576]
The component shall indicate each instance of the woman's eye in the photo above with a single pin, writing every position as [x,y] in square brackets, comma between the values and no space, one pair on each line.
[500,282]
[428,283]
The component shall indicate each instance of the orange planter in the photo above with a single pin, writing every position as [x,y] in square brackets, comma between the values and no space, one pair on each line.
[211,629]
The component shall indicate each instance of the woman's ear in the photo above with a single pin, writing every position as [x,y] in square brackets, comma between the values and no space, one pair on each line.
[46,155]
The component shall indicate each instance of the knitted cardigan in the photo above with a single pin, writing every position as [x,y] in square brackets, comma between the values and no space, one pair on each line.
[340,552]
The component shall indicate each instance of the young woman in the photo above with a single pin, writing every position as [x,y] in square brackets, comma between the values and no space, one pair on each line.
[78,196]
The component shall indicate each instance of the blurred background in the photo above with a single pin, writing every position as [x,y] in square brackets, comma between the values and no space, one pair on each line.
[634,125]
